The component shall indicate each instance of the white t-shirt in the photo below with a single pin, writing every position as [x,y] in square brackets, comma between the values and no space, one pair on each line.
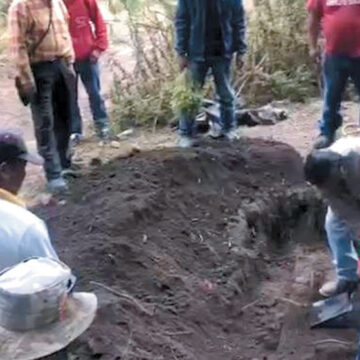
[346,145]
[22,235]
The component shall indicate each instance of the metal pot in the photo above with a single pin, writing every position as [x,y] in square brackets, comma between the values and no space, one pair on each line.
[33,293]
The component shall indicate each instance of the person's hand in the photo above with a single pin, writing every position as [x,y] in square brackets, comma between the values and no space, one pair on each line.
[183,62]
[239,61]
[72,70]
[26,93]
[95,55]
[315,54]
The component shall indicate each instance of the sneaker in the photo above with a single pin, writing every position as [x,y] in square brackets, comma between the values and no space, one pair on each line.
[104,135]
[185,142]
[76,139]
[337,287]
[231,135]
[323,141]
[215,131]
[57,186]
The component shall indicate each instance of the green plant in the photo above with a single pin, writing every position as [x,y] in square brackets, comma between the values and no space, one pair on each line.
[277,65]
[296,86]
[142,95]
[185,97]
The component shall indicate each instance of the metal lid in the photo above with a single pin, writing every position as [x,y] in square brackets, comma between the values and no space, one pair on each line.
[33,276]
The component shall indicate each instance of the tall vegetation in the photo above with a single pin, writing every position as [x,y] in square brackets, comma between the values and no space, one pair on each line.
[4,5]
[277,65]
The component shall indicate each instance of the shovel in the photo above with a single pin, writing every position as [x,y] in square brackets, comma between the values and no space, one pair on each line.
[338,312]
[333,312]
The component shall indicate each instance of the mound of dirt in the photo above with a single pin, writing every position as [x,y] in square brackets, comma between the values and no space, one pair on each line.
[203,254]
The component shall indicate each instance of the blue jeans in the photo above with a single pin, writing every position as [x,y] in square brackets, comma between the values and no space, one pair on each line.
[336,72]
[341,241]
[88,72]
[220,68]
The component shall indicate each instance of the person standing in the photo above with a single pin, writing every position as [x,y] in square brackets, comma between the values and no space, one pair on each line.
[89,35]
[41,47]
[208,34]
[339,20]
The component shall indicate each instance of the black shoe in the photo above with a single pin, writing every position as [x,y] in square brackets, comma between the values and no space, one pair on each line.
[337,287]
[323,141]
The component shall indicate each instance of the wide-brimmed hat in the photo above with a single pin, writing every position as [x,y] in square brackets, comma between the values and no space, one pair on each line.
[38,343]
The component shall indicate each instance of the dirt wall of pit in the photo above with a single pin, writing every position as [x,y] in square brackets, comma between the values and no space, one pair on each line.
[202,254]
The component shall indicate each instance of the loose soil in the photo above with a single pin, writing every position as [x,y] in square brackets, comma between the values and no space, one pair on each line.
[215,252]
[206,254]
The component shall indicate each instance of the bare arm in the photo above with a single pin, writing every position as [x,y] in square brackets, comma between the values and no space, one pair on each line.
[314,29]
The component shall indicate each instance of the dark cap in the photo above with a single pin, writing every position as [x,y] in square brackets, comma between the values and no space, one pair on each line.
[13,147]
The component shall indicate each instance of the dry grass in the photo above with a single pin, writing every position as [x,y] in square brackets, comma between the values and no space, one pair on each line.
[277,64]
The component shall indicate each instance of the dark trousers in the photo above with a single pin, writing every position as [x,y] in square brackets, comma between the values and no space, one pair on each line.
[337,70]
[51,112]
[220,68]
[88,72]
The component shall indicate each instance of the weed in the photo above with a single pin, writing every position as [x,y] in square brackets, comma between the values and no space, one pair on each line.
[277,65]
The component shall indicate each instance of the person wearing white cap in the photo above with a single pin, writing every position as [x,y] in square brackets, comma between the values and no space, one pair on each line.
[28,264]
[22,234]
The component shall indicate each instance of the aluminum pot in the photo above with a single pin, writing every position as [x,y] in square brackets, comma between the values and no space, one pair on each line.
[33,293]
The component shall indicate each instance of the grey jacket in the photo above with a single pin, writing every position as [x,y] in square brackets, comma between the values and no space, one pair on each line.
[344,200]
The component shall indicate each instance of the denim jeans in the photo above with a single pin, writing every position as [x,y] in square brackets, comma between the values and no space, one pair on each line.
[52,112]
[341,241]
[88,72]
[336,72]
[220,68]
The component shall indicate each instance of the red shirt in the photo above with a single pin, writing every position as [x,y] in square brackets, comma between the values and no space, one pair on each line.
[87,27]
[341,25]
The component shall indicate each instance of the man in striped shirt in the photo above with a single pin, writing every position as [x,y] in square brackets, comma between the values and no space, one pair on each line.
[41,47]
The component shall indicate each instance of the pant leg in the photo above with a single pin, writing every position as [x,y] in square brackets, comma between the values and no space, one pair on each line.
[221,70]
[198,72]
[341,239]
[63,110]
[76,121]
[43,118]
[90,77]
[336,74]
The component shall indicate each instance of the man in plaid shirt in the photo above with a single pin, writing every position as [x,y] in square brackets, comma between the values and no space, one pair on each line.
[41,47]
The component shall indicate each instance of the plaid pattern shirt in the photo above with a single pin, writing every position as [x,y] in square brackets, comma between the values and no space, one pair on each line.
[28,21]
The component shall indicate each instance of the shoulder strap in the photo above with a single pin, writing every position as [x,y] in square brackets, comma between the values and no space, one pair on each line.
[38,43]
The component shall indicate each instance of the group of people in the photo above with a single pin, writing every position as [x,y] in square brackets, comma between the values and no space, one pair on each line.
[334,167]
[53,44]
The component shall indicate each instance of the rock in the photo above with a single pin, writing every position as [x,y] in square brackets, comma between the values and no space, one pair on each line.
[125,134]
[46,199]
[115,144]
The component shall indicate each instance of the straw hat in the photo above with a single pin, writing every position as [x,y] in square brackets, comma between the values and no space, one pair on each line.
[35,344]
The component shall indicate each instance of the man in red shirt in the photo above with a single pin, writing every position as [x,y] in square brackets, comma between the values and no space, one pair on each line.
[340,22]
[89,37]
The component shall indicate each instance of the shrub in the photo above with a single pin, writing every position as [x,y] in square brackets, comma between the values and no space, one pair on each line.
[277,65]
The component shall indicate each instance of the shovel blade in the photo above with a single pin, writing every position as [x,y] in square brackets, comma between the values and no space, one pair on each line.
[329,312]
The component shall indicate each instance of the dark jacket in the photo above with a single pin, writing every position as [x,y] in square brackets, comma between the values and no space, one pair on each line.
[190,27]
